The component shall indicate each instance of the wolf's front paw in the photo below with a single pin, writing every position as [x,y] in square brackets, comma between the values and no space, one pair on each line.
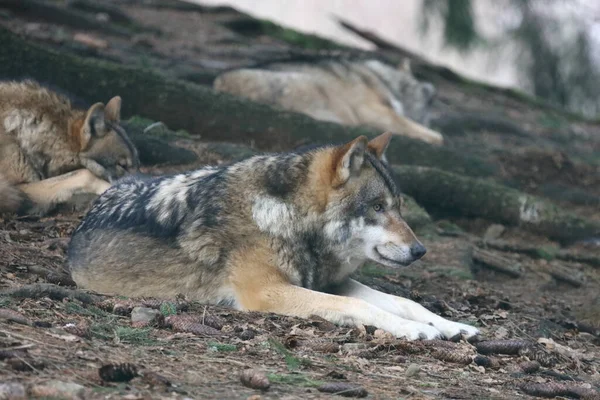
[417,331]
[451,329]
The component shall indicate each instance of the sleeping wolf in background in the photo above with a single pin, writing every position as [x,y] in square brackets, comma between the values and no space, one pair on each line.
[366,92]
[50,152]
[275,233]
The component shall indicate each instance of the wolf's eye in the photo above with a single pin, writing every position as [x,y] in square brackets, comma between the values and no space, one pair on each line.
[378,207]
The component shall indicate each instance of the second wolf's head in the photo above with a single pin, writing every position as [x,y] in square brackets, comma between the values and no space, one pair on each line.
[104,147]
[363,204]
[415,96]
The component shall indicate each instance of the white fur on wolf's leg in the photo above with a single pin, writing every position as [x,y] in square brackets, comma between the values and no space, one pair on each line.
[405,308]
[360,312]
[297,301]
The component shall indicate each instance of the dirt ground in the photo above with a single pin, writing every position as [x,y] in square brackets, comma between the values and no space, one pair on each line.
[47,336]
[548,346]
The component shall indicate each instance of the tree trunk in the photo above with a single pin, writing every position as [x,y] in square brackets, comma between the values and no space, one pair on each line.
[201,111]
[451,194]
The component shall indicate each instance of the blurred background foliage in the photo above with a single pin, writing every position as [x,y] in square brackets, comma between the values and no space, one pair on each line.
[553,41]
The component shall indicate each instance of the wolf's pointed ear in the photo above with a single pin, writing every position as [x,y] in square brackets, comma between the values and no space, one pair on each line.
[93,125]
[112,112]
[379,145]
[348,159]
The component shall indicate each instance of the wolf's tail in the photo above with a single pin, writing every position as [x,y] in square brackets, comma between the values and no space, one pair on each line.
[11,198]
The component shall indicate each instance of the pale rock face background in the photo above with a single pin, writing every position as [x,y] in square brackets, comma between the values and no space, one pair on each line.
[398,21]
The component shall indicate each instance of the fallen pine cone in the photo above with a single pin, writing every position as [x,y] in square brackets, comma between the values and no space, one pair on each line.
[509,347]
[190,324]
[213,321]
[327,347]
[452,356]
[343,389]
[555,389]
[255,379]
[318,345]
[60,279]
[538,353]
[529,367]
[487,362]
[118,372]
[407,347]
[440,343]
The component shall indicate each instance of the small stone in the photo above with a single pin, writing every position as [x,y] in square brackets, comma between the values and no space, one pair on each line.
[255,379]
[12,391]
[144,316]
[58,389]
[493,232]
[413,370]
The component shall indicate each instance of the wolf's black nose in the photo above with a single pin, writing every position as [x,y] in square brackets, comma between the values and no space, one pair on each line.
[418,250]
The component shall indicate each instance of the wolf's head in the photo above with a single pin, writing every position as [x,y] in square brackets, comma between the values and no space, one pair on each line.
[415,96]
[105,148]
[363,204]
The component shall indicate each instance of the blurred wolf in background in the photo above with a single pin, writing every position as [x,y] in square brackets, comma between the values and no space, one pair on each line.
[275,233]
[50,152]
[366,92]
